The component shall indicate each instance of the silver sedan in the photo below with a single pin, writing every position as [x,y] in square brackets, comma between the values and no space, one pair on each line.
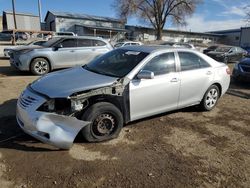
[121,86]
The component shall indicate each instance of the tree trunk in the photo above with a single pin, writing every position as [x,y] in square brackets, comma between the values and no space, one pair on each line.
[158,33]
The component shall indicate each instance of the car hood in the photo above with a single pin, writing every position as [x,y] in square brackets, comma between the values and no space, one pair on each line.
[63,83]
[28,47]
[22,47]
[245,61]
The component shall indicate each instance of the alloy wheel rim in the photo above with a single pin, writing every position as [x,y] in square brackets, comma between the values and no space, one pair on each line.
[41,67]
[211,98]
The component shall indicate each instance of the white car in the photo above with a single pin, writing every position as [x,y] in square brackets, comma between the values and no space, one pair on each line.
[124,85]
[127,43]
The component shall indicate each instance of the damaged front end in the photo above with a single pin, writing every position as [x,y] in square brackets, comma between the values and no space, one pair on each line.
[57,129]
[54,121]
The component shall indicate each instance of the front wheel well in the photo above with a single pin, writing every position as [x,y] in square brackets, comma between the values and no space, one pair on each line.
[115,100]
[50,67]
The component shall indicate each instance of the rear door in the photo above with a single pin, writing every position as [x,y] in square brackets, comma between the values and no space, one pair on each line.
[65,55]
[160,94]
[89,49]
[196,76]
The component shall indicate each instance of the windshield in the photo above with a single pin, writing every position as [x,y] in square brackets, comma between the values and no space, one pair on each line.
[50,42]
[222,49]
[116,63]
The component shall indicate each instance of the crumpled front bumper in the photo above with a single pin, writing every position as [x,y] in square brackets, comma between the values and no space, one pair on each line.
[57,130]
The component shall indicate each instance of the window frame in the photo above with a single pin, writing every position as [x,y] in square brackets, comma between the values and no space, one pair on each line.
[60,42]
[159,54]
[179,61]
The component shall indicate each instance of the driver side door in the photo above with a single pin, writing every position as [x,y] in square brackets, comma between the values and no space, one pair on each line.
[65,53]
[160,94]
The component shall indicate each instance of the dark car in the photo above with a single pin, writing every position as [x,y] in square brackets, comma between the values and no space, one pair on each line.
[241,71]
[227,54]
[210,48]
[7,35]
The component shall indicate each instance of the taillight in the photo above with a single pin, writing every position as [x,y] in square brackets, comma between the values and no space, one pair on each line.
[228,71]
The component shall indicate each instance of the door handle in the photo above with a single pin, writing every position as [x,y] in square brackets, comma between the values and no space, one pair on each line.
[209,72]
[72,50]
[174,80]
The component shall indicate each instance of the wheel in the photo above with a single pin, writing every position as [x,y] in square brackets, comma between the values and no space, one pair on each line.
[210,98]
[39,66]
[106,122]
[225,60]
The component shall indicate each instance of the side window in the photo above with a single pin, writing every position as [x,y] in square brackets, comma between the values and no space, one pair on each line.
[233,50]
[190,61]
[68,43]
[84,43]
[98,43]
[161,64]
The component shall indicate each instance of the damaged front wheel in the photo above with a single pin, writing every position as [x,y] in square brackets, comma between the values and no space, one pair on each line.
[107,122]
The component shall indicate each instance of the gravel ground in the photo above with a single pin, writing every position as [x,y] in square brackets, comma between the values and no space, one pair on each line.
[185,148]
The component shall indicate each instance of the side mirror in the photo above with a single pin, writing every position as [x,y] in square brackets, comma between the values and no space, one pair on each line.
[144,74]
[55,48]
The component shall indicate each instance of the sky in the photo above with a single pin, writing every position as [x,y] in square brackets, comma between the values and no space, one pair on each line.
[211,15]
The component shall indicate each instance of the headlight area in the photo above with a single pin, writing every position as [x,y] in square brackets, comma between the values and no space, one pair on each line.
[63,106]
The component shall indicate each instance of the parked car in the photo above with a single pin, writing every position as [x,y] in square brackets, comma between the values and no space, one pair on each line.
[8,50]
[179,45]
[184,45]
[127,43]
[121,86]
[241,71]
[210,48]
[59,52]
[64,34]
[168,43]
[7,35]
[227,53]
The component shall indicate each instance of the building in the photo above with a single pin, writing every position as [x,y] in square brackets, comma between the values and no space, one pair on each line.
[24,21]
[245,37]
[230,36]
[148,34]
[1,24]
[83,24]
[235,37]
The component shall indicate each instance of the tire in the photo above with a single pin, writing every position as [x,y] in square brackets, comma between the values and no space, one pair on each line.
[39,66]
[106,122]
[210,98]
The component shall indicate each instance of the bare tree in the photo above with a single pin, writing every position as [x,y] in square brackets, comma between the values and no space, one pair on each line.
[156,12]
[247,9]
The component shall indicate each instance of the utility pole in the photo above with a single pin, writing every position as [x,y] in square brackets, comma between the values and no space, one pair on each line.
[40,13]
[14,13]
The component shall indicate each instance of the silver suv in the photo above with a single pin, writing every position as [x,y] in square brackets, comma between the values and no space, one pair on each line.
[59,52]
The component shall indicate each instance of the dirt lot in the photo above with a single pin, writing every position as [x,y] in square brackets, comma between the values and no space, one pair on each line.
[186,148]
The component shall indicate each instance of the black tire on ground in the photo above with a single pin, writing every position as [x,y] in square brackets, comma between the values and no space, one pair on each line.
[107,122]
[39,66]
[210,98]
